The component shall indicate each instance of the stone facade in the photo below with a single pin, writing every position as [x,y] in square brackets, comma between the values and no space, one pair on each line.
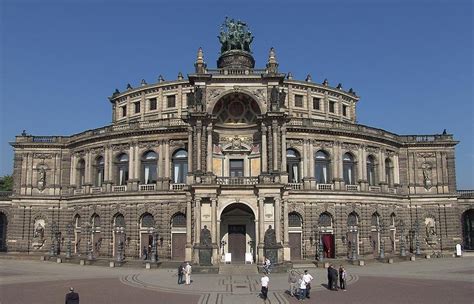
[235,149]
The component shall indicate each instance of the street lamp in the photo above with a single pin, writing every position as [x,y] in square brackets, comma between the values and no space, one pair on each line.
[417,237]
[69,229]
[382,241]
[402,238]
[120,243]
[154,234]
[89,249]
[54,240]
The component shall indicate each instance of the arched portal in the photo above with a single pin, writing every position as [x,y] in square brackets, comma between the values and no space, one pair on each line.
[3,232]
[237,232]
[236,109]
[468,229]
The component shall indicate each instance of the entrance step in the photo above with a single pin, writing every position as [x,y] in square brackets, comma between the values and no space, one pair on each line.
[238,269]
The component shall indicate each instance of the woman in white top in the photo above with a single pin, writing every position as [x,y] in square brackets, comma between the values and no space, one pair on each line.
[302,285]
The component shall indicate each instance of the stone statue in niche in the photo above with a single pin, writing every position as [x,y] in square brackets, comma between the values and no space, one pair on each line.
[38,234]
[430,227]
[41,178]
[270,237]
[427,172]
[198,99]
[206,239]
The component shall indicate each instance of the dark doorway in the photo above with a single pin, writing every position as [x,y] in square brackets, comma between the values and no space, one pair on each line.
[468,229]
[295,246]
[178,246]
[328,245]
[3,232]
[237,242]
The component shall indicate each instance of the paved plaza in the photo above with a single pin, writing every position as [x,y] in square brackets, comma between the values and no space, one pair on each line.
[446,280]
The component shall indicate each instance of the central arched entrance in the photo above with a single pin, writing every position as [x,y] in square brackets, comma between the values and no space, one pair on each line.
[237,232]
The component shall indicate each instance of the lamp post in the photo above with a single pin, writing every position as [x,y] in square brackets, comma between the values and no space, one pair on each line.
[69,244]
[88,230]
[120,244]
[402,238]
[319,244]
[417,237]
[223,243]
[382,241]
[154,234]
[54,241]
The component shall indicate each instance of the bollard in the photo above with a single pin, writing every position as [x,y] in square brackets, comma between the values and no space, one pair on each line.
[42,258]
[82,262]
[412,258]
[59,261]
[111,264]
[361,263]
[390,261]
[428,256]
[147,265]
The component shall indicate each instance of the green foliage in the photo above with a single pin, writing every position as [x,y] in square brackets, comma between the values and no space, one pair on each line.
[6,183]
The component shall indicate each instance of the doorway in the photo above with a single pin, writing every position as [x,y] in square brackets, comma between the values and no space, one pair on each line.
[237,242]
[328,245]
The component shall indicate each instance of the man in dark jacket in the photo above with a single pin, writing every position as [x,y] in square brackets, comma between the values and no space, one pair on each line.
[329,277]
[72,297]
[333,274]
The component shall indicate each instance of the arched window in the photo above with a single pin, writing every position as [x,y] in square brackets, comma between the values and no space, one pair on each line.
[179,220]
[389,172]
[81,173]
[322,167]
[149,167]
[119,220]
[180,166]
[121,164]
[148,221]
[99,171]
[95,220]
[77,221]
[371,170]
[348,168]
[293,160]
[375,220]
[352,219]
[294,220]
[325,220]
[393,219]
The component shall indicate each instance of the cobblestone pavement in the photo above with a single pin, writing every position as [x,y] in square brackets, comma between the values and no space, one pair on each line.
[446,280]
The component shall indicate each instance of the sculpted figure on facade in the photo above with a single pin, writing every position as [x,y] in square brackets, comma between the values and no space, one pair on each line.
[426,168]
[38,234]
[235,35]
[42,178]
[206,239]
[270,237]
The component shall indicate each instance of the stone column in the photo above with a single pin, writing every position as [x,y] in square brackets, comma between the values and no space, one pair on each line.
[110,165]
[198,152]
[88,177]
[275,145]
[131,168]
[167,160]
[142,107]
[396,170]
[213,220]
[311,160]
[188,250]
[197,220]
[381,166]
[72,176]
[305,159]
[209,148]
[283,149]
[136,162]
[190,149]
[106,163]
[286,236]
[360,163]
[277,215]
[261,230]
[264,149]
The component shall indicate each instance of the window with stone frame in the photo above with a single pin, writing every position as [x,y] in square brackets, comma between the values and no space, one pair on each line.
[375,219]
[119,221]
[152,104]
[344,110]
[316,103]
[332,106]
[371,171]
[137,107]
[124,111]
[171,101]
[322,167]
[179,220]
[352,219]
[189,99]
[294,220]
[299,101]
[148,220]
[325,220]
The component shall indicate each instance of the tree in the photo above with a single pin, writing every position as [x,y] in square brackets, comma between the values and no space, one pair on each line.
[6,183]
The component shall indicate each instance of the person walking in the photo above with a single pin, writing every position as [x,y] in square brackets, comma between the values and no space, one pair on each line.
[329,277]
[266,265]
[307,279]
[264,281]
[180,273]
[72,297]
[333,278]
[302,286]
[187,273]
[293,281]
[342,278]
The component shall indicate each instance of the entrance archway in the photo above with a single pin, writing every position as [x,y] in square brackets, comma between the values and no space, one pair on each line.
[468,229]
[237,232]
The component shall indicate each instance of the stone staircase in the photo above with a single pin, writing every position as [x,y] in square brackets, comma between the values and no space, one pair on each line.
[238,269]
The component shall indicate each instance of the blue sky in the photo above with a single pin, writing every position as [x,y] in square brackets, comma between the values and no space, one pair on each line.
[410,61]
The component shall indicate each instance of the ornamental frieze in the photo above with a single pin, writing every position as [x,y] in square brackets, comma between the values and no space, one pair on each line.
[43,155]
[324,144]
[213,93]
[121,147]
[350,146]
[98,150]
[149,144]
[372,149]
[390,153]
[176,143]
[79,154]
[425,154]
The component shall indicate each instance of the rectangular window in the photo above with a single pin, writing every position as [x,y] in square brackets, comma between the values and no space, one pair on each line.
[316,103]
[299,101]
[189,99]
[236,167]
[331,106]
[152,104]
[124,111]
[137,107]
[344,110]
[171,101]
